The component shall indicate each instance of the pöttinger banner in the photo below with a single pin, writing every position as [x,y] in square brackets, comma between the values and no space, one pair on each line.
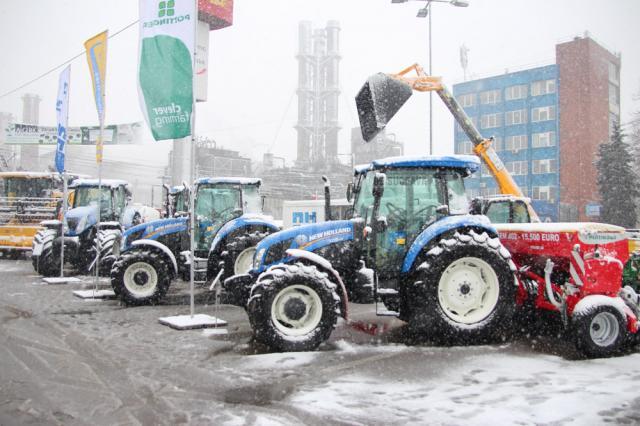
[165,67]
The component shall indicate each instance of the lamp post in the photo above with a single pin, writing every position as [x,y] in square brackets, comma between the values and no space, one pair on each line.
[424,13]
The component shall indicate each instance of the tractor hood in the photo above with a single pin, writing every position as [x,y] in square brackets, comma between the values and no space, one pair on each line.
[306,237]
[79,219]
[154,230]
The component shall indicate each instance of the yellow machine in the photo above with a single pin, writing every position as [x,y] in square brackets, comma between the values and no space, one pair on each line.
[26,199]
[390,91]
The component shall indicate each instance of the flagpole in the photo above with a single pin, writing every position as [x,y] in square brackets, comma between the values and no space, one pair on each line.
[98,248]
[192,163]
[64,212]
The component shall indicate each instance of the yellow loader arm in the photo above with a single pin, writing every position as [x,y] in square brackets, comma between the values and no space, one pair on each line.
[384,94]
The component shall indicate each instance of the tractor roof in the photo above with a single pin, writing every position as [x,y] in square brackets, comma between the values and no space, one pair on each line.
[467,162]
[112,183]
[28,175]
[229,180]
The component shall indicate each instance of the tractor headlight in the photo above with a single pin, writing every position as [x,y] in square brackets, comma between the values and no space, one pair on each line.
[258,258]
[81,225]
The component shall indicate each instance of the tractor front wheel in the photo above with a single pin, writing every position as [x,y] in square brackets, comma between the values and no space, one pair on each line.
[293,308]
[140,277]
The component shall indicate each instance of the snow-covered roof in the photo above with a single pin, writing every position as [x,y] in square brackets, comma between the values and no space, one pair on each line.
[112,183]
[456,161]
[230,180]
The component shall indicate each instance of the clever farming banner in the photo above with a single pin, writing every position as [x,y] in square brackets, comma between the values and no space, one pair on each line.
[165,68]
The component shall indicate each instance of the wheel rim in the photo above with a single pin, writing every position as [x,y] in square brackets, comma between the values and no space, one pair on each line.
[604,329]
[468,290]
[140,279]
[296,310]
[244,261]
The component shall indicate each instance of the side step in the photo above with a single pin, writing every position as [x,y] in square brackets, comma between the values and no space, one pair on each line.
[383,311]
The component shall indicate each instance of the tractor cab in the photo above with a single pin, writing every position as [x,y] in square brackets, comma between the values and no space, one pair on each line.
[220,200]
[112,198]
[504,209]
[415,193]
[176,200]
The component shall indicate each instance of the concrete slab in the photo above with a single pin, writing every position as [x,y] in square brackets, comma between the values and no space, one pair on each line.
[61,280]
[188,322]
[94,294]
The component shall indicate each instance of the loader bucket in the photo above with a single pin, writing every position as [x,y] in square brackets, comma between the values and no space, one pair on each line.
[378,101]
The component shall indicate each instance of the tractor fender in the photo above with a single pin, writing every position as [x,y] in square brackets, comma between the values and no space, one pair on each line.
[161,247]
[245,221]
[325,265]
[447,224]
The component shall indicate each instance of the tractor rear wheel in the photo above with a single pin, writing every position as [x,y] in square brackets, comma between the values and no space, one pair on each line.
[293,308]
[109,240]
[599,332]
[140,277]
[465,290]
[41,238]
[238,255]
[49,261]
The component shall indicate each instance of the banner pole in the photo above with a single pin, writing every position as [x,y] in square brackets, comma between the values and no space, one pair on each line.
[98,248]
[192,162]
[64,212]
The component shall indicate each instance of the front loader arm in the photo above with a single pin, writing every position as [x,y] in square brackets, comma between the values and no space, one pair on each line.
[380,98]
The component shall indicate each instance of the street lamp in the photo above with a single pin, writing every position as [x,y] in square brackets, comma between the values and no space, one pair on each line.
[423,13]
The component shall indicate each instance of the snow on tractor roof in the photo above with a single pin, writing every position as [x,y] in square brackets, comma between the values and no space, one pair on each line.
[230,180]
[469,162]
[28,175]
[112,183]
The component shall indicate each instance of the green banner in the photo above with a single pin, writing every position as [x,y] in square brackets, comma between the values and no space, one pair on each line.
[165,72]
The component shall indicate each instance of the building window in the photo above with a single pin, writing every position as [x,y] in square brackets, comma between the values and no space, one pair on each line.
[543,87]
[489,121]
[465,147]
[544,193]
[516,143]
[515,117]
[467,100]
[543,113]
[518,91]
[544,139]
[497,143]
[544,166]
[517,167]
[613,73]
[490,97]
[489,192]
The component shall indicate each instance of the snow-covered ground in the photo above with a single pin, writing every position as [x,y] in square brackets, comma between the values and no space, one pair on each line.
[64,360]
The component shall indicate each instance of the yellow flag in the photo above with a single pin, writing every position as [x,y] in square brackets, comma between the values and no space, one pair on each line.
[96,48]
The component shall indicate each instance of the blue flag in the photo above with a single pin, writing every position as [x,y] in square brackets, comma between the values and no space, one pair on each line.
[62,114]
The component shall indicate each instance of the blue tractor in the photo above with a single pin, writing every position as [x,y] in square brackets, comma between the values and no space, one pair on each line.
[82,237]
[229,225]
[410,244]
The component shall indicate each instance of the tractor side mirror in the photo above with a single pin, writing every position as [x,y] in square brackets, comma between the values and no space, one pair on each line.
[475,207]
[381,224]
[349,191]
[378,185]
[236,213]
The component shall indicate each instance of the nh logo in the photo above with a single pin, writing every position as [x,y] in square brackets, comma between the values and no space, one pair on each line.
[165,8]
[304,217]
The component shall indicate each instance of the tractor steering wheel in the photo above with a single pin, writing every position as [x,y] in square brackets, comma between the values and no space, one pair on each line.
[397,215]
[429,210]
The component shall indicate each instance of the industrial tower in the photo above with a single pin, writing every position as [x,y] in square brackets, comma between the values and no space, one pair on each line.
[318,90]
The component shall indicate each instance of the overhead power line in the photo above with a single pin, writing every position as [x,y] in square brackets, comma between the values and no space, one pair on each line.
[62,64]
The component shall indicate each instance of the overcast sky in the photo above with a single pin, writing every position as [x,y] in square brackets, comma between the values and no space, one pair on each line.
[253,70]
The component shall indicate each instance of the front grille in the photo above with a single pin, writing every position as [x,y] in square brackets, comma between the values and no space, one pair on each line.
[72,223]
[277,251]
